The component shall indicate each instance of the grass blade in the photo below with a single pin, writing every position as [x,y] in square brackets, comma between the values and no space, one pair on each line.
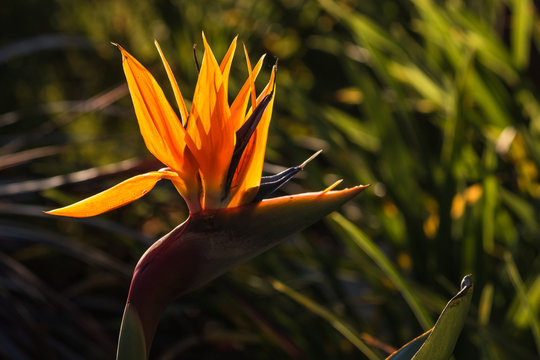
[513,272]
[348,230]
[336,322]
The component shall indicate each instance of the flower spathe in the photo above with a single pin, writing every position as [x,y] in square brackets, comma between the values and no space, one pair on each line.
[214,152]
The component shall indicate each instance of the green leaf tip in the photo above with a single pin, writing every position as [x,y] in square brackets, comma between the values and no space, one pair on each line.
[439,342]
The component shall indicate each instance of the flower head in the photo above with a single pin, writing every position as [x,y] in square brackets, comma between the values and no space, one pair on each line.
[214,152]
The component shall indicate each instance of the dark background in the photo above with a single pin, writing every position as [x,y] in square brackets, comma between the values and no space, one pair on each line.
[434,103]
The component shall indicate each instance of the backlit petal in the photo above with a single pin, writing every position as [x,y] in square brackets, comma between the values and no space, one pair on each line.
[163,133]
[176,90]
[225,66]
[115,197]
[251,80]
[249,170]
[210,128]
[238,107]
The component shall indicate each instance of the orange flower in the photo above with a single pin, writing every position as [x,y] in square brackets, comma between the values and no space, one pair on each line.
[214,154]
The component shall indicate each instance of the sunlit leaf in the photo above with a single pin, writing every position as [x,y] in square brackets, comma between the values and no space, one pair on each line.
[438,343]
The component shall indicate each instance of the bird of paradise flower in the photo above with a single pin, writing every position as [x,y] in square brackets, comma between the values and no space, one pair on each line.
[214,156]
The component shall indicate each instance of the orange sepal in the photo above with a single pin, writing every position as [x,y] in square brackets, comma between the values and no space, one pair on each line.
[248,174]
[176,90]
[162,132]
[115,197]
[238,107]
[210,128]
[251,79]
[225,66]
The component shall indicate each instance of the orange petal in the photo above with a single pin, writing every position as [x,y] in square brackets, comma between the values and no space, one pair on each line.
[249,170]
[205,97]
[238,107]
[251,80]
[115,197]
[163,133]
[177,94]
[210,128]
[225,66]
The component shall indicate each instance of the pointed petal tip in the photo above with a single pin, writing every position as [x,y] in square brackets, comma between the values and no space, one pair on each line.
[118,46]
[205,41]
[361,187]
[67,212]
[62,212]
[331,187]
[123,51]
[302,165]
[246,54]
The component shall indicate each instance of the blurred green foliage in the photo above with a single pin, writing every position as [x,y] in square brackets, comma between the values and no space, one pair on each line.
[435,103]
